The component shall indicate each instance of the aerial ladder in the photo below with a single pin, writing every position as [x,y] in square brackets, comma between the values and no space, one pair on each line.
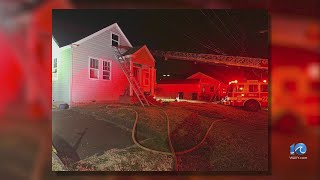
[239,61]
[248,62]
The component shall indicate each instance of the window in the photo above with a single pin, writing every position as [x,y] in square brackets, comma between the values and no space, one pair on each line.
[114,40]
[253,88]
[55,69]
[94,68]
[106,68]
[264,88]
[240,88]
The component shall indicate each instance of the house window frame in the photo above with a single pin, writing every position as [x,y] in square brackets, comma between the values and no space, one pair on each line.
[106,70]
[89,67]
[55,77]
[113,33]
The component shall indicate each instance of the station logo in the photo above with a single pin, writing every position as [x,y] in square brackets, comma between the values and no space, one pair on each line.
[297,151]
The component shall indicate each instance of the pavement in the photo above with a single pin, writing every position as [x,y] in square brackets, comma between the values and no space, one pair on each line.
[78,136]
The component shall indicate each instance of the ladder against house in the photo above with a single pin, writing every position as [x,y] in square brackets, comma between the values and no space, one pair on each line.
[215,93]
[129,75]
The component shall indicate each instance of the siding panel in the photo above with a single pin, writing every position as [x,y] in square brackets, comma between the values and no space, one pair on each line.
[88,90]
[61,87]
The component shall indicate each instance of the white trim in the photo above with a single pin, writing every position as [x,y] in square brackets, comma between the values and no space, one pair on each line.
[114,33]
[90,57]
[110,77]
[102,31]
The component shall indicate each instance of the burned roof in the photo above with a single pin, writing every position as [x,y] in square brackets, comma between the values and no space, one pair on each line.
[132,50]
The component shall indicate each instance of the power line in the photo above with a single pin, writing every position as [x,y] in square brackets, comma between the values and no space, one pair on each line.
[210,20]
[208,40]
[239,30]
[226,28]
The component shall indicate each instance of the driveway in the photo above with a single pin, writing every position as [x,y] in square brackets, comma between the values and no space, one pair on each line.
[77,136]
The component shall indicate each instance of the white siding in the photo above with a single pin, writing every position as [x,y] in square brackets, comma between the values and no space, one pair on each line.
[61,87]
[86,90]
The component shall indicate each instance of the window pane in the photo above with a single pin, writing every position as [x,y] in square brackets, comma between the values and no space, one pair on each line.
[115,43]
[106,77]
[106,65]
[97,64]
[253,88]
[240,88]
[94,73]
[115,37]
[264,88]
[94,63]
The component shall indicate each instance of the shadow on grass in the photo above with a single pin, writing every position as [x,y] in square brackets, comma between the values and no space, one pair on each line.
[66,152]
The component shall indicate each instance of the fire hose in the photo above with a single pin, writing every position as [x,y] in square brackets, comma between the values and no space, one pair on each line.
[172,153]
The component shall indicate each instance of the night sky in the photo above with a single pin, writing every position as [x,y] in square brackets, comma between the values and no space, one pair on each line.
[233,32]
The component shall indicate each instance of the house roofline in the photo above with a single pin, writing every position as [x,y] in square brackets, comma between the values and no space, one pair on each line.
[202,74]
[54,39]
[148,51]
[102,31]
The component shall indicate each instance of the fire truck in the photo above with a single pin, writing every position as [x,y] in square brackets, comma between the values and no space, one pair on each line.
[250,94]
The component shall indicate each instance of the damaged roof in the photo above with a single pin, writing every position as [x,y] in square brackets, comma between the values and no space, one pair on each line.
[132,50]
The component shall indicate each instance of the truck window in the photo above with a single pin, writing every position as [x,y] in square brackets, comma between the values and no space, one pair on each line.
[240,88]
[253,88]
[264,88]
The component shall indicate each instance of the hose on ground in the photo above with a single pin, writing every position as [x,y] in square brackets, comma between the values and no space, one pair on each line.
[172,153]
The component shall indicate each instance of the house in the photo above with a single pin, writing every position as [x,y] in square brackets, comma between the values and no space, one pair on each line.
[89,70]
[198,86]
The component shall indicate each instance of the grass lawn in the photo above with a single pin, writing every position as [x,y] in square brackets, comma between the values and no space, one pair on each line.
[238,143]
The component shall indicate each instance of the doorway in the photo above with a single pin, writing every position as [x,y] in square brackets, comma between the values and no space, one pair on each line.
[180,95]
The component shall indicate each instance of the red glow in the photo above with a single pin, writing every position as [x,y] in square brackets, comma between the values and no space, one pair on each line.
[264,81]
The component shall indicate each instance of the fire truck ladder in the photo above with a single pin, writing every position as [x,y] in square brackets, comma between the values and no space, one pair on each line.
[133,82]
[214,59]
[214,96]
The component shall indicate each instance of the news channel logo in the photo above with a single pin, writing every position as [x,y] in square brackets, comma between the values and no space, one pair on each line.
[298,149]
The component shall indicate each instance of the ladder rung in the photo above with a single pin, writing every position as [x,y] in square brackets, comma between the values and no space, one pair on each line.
[135,86]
